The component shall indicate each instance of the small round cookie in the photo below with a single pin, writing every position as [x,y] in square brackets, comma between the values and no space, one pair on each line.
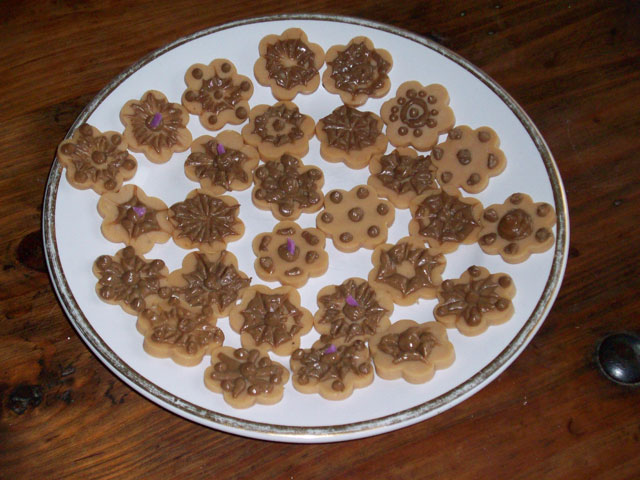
[407,270]
[245,377]
[468,158]
[205,221]
[217,94]
[290,254]
[209,280]
[130,280]
[477,300]
[96,160]
[402,175]
[222,163]
[288,188]
[174,330]
[133,218]
[334,370]
[357,71]
[155,127]
[354,309]
[517,228]
[445,219]
[270,319]
[357,218]
[289,64]
[279,129]
[412,351]
[417,115]
[350,136]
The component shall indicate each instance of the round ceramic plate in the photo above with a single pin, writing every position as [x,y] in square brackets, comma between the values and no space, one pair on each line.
[73,240]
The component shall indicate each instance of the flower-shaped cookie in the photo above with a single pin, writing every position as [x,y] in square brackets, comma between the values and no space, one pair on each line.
[289,64]
[288,188]
[412,351]
[206,221]
[417,115]
[357,218]
[223,163]
[133,218]
[278,129]
[245,377]
[270,319]
[217,94]
[407,270]
[209,280]
[173,329]
[517,228]
[290,254]
[402,175]
[475,301]
[130,280]
[351,136]
[96,160]
[445,219]
[156,127]
[352,309]
[332,370]
[468,158]
[357,71]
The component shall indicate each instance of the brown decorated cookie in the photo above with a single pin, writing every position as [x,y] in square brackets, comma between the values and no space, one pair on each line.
[468,158]
[209,280]
[357,218]
[411,351]
[278,129]
[289,64]
[445,219]
[357,71]
[155,127]
[270,319]
[351,136]
[517,228]
[354,309]
[222,163]
[245,377]
[96,160]
[402,175]
[333,370]
[407,270]
[130,280]
[288,188]
[205,221]
[133,218]
[174,330]
[477,300]
[417,115]
[290,254]
[217,94]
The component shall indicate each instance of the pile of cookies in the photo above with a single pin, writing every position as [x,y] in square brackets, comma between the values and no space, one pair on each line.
[177,312]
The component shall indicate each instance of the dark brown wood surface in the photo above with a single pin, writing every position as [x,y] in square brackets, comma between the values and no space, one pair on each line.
[575,68]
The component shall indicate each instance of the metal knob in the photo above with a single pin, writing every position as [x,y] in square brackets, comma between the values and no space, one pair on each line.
[618,357]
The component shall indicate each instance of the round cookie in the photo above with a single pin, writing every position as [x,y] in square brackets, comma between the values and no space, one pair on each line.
[289,64]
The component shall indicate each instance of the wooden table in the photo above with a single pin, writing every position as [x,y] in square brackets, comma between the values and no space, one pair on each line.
[573,66]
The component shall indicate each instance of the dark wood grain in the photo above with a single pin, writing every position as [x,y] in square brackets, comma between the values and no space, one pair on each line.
[573,66]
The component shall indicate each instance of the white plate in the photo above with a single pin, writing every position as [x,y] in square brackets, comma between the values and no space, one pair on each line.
[71,227]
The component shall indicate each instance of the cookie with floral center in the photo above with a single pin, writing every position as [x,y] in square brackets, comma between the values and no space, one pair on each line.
[411,350]
[245,377]
[289,64]
[133,218]
[475,301]
[155,127]
[96,160]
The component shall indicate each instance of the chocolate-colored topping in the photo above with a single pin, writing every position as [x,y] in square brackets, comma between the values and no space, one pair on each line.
[543,210]
[137,217]
[271,319]
[446,177]
[464,156]
[286,255]
[205,219]
[362,193]
[264,243]
[403,173]
[542,234]
[326,217]
[290,63]
[220,168]
[311,257]
[267,264]
[310,238]
[455,134]
[484,136]
[346,237]
[516,224]
[412,345]
[287,232]
[335,196]
[356,214]
[382,209]
[279,125]
[293,272]
[246,372]
[350,129]
[490,215]
[373,231]
[415,113]
[359,70]
[148,130]
[505,281]
[217,94]
[445,218]
[511,248]
[488,239]
[516,198]
[492,161]
[473,179]
[438,153]
[474,271]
